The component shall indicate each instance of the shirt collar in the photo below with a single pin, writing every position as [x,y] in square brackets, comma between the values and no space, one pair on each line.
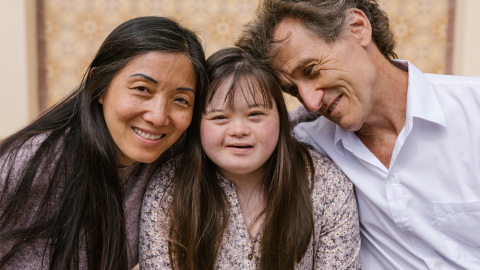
[421,102]
[421,99]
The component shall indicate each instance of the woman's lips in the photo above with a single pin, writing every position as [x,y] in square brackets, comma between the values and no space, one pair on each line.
[147,135]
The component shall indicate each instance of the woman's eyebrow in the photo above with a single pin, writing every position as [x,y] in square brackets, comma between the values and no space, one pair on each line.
[186,89]
[144,76]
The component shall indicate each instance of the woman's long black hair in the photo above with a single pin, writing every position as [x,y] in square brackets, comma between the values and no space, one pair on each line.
[83,201]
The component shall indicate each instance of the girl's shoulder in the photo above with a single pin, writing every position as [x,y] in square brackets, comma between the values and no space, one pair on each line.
[328,176]
[159,185]
[164,174]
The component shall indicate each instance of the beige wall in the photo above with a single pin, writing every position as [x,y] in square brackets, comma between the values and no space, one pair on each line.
[18,65]
[466,46]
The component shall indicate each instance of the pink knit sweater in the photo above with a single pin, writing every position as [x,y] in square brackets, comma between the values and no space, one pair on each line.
[36,256]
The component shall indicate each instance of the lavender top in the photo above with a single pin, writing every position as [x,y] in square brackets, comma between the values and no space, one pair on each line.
[337,237]
[36,256]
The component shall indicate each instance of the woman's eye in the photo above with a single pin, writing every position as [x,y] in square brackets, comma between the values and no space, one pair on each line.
[182,101]
[141,89]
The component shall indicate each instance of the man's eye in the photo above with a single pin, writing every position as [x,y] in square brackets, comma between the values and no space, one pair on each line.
[293,91]
[308,70]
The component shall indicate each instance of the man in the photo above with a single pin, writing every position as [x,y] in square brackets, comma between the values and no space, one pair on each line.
[409,141]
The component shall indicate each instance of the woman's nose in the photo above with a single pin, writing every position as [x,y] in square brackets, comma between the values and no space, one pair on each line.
[157,113]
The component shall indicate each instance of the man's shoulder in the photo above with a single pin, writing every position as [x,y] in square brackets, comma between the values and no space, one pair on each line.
[439,79]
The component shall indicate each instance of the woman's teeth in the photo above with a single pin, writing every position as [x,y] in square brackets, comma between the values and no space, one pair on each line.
[147,136]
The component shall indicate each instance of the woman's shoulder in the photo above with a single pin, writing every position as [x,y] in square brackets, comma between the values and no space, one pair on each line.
[16,157]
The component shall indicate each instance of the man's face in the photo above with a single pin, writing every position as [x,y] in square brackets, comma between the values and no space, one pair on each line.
[335,80]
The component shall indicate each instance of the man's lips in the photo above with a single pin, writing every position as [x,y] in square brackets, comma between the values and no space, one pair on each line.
[334,104]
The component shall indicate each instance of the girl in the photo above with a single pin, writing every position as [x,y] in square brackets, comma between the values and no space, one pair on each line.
[72,182]
[245,194]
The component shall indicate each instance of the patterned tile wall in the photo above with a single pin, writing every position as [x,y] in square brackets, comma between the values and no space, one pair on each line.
[74,29]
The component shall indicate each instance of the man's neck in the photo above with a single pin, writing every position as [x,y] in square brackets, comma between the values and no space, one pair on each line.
[388,116]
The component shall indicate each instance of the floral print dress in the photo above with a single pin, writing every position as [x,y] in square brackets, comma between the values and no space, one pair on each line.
[337,236]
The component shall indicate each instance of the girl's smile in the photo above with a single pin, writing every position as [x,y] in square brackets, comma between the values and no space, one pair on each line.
[239,138]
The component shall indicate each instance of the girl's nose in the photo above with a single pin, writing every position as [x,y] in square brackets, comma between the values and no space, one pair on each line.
[238,129]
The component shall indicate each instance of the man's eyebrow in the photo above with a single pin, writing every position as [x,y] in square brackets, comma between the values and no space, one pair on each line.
[144,76]
[186,89]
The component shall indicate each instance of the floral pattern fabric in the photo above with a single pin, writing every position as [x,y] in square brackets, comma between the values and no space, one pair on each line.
[337,236]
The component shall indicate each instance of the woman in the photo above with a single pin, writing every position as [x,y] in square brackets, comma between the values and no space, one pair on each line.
[252,197]
[71,182]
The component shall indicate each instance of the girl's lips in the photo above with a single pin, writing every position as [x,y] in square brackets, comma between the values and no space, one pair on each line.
[240,148]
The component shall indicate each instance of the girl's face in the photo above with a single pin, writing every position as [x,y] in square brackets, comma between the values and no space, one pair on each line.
[149,104]
[239,140]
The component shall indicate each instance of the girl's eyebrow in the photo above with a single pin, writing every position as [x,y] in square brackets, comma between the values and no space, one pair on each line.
[257,105]
[214,110]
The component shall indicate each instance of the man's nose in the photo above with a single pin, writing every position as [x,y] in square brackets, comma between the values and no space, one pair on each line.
[311,96]
[238,129]
[157,113]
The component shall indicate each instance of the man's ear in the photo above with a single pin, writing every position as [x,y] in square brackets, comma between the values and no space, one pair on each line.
[360,27]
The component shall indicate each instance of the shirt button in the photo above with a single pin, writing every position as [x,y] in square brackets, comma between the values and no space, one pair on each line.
[438,265]
[250,256]
[391,179]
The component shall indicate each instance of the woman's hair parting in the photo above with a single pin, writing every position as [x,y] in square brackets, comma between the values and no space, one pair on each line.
[82,202]
[199,210]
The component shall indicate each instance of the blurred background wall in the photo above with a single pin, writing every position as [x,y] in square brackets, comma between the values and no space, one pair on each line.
[45,45]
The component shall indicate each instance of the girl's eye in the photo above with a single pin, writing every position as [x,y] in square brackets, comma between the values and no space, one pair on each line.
[219,117]
[254,114]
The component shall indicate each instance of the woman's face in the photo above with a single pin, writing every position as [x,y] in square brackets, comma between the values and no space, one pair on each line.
[239,140]
[149,104]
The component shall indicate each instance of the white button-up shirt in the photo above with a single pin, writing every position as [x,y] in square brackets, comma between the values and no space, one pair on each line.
[424,211]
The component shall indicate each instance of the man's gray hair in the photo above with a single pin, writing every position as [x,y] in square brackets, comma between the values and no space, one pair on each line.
[326,18]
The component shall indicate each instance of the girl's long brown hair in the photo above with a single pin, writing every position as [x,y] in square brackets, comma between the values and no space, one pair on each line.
[199,211]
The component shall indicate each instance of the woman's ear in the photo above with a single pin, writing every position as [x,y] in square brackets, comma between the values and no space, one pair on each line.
[101,97]
[360,27]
